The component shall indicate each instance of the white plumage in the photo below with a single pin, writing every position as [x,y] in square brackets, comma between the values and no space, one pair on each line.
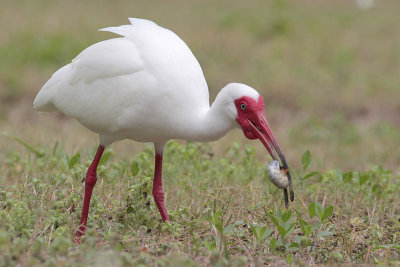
[110,85]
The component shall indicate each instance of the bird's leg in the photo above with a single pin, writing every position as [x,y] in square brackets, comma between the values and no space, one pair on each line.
[91,179]
[158,192]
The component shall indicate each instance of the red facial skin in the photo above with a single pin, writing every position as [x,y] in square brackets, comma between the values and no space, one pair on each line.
[251,117]
[254,110]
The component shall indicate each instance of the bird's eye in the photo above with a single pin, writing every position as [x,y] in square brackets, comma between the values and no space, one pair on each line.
[243,106]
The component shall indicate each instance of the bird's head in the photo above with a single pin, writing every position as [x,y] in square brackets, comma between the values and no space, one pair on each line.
[250,115]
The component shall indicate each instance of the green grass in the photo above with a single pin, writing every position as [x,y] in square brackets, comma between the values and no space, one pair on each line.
[224,211]
[328,72]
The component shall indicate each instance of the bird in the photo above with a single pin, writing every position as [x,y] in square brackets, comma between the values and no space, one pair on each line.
[147,86]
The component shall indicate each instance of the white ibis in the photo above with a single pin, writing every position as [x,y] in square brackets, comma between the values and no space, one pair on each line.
[147,86]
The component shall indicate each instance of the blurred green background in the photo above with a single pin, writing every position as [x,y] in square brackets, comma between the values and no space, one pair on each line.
[328,70]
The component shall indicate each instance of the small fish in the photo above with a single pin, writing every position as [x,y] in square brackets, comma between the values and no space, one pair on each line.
[277,174]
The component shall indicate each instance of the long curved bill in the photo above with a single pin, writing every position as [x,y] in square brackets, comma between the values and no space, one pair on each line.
[264,133]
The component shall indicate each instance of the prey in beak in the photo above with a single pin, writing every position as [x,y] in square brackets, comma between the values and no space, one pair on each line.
[252,120]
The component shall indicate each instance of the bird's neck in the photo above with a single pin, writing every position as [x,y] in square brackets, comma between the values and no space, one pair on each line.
[215,122]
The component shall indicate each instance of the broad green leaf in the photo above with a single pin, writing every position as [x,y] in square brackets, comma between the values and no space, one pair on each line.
[274,220]
[267,233]
[307,229]
[282,231]
[347,176]
[74,160]
[311,210]
[287,215]
[104,158]
[210,245]
[289,230]
[261,231]
[304,226]
[319,210]
[134,168]
[327,213]
[306,160]
[216,221]
[216,217]
[377,189]
[254,231]
[363,178]
[219,227]
[272,243]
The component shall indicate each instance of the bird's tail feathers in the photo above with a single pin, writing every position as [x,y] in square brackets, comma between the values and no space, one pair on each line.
[43,100]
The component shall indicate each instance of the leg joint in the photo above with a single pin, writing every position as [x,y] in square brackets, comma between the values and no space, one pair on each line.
[158,195]
[90,180]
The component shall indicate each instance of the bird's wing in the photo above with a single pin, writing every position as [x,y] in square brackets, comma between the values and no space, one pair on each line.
[106,59]
[113,57]
[111,84]
[169,60]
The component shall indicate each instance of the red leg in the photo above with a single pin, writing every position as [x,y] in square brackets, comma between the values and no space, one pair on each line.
[91,179]
[158,192]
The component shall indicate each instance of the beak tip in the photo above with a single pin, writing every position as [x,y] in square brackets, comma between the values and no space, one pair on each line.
[291,188]
[285,193]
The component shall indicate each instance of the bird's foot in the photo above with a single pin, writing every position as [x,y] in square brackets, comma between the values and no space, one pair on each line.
[79,234]
[163,211]
[77,240]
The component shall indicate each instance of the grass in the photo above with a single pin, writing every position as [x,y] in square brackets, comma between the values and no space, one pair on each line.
[328,74]
[224,211]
